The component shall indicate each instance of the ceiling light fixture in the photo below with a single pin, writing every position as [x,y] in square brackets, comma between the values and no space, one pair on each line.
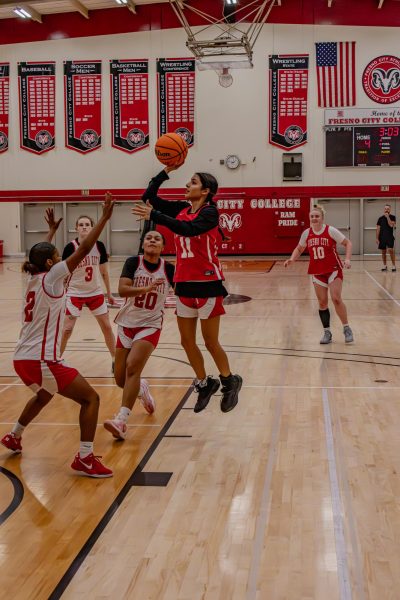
[21,12]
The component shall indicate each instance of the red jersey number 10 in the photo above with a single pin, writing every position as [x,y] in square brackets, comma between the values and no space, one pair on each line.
[318,252]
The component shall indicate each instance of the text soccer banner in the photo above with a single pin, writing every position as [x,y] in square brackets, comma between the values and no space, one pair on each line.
[130,104]
[82,89]
[288,85]
[4,103]
[36,83]
[176,89]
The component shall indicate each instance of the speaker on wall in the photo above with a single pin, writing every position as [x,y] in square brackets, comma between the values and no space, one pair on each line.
[292,166]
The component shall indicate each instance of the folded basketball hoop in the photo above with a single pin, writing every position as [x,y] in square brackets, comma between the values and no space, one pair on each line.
[232,42]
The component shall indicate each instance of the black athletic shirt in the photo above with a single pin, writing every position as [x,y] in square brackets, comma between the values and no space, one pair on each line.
[386,232]
[70,249]
[132,263]
[164,213]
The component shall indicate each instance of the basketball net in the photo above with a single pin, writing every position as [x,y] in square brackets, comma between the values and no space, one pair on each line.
[232,44]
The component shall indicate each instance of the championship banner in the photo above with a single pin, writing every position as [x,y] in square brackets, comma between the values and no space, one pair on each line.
[175,87]
[37,103]
[4,103]
[130,104]
[82,91]
[288,83]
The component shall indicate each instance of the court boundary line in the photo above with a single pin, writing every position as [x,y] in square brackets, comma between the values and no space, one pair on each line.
[382,288]
[18,494]
[116,503]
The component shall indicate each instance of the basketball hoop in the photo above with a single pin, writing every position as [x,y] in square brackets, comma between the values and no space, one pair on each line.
[234,41]
[223,68]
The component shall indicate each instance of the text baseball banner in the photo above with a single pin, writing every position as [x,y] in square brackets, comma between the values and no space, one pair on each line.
[37,104]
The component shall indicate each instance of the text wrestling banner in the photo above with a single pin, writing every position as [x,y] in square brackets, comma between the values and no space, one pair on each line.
[4,103]
[36,83]
[82,89]
[130,104]
[175,86]
[288,84]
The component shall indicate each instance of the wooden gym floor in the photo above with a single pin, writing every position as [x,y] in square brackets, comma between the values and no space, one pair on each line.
[294,495]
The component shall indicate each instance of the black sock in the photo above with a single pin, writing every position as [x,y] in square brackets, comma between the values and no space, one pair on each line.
[226,379]
[325,317]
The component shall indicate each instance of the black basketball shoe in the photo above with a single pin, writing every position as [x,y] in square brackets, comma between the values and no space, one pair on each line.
[230,391]
[205,392]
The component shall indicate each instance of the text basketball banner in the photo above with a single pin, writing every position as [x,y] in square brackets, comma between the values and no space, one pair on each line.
[288,84]
[82,89]
[36,82]
[4,103]
[176,86]
[130,104]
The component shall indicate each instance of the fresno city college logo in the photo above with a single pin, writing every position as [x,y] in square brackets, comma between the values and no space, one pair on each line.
[230,222]
[89,138]
[43,139]
[381,79]
[3,141]
[185,134]
[294,134]
[135,138]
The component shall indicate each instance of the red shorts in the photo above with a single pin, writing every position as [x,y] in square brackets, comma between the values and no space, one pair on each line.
[205,308]
[52,376]
[326,278]
[97,304]
[127,335]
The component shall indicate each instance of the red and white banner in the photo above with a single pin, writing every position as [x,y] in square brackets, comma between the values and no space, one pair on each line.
[130,104]
[4,103]
[82,93]
[288,86]
[37,104]
[256,225]
[176,91]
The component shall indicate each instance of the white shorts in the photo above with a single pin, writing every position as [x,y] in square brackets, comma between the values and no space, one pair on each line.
[96,304]
[204,308]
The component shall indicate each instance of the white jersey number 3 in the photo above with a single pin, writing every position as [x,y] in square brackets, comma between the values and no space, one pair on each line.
[319,252]
[186,250]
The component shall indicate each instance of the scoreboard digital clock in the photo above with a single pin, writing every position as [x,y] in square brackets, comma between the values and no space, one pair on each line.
[362,146]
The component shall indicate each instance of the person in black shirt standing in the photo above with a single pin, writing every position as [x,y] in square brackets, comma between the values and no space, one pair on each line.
[385,236]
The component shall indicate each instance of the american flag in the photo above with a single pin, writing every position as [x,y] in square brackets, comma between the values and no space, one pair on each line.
[336,74]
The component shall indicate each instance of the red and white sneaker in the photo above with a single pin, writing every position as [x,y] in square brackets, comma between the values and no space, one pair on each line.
[147,400]
[91,466]
[117,428]
[12,443]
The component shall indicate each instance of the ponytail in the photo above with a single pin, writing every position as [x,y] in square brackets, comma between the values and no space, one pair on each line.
[38,256]
[28,267]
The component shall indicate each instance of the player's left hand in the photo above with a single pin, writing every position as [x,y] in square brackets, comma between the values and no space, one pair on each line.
[50,220]
[347,264]
[143,211]
[111,300]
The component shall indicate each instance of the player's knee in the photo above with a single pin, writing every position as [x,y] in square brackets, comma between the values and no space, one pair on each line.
[132,368]
[93,398]
[119,378]
[68,327]
[211,345]
[336,300]
[187,342]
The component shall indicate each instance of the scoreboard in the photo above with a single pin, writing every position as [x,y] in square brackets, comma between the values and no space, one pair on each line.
[362,146]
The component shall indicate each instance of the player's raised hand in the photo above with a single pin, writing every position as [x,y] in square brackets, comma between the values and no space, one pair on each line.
[50,220]
[108,205]
[143,211]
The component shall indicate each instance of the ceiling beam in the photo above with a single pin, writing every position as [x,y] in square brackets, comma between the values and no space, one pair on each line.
[132,6]
[80,8]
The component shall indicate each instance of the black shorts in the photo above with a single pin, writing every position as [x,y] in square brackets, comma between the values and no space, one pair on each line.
[383,244]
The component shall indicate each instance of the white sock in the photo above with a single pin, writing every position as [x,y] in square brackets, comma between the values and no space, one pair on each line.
[85,449]
[201,382]
[347,325]
[18,430]
[124,414]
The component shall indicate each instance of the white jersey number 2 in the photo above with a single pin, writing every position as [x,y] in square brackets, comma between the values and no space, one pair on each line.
[319,252]
[186,250]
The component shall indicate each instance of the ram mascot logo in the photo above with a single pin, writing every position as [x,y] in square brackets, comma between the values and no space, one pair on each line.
[44,139]
[89,139]
[381,79]
[230,222]
[135,138]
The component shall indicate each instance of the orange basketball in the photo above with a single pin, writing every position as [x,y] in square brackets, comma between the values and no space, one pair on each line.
[171,149]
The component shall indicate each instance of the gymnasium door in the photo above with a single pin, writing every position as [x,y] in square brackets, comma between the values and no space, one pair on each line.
[344,214]
[34,227]
[125,230]
[373,209]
